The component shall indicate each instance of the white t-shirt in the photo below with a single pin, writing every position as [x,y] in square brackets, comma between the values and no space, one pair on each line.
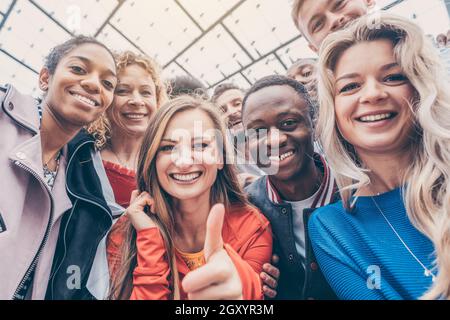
[298,223]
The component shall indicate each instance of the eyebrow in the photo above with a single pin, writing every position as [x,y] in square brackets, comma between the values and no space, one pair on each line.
[389,66]
[255,122]
[88,61]
[291,113]
[235,99]
[355,75]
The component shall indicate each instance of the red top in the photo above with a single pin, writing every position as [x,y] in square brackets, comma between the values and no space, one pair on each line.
[248,241]
[122,180]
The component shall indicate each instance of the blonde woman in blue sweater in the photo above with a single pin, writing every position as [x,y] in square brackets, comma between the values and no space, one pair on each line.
[384,124]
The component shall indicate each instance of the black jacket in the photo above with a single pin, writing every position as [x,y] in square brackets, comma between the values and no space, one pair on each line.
[295,282]
[82,227]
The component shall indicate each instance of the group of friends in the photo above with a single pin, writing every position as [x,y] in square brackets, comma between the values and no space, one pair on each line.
[331,182]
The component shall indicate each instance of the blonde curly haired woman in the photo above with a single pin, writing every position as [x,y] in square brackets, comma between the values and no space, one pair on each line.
[384,124]
[119,132]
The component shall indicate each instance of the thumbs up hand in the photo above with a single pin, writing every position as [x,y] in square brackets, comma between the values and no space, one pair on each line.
[218,279]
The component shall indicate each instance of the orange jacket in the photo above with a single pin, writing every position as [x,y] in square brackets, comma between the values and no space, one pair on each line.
[248,241]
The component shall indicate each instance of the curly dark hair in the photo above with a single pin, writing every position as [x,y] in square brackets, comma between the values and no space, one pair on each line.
[60,51]
[221,88]
[278,80]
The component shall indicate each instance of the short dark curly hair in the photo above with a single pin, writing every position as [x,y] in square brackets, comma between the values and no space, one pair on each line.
[182,85]
[278,80]
[221,88]
[60,51]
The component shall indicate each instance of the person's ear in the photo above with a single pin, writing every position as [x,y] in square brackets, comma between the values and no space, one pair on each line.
[313,47]
[44,79]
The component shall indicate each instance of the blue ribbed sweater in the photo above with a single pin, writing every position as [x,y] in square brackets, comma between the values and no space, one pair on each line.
[349,245]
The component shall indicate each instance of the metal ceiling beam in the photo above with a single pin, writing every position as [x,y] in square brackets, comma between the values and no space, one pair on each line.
[120,3]
[237,5]
[18,61]
[280,61]
[246,79]
[189,15]
[237,41]
[50,17]
[393,4]
[7,13]
[141,50]
[272,52]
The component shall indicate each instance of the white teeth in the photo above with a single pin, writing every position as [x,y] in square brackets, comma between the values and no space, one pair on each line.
[84,99]
[286,155]
[186,177]
[281,157]
[377,117]
[134,116]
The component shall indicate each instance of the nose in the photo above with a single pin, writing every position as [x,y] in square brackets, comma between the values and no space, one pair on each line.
[373,92]
[136,100]
[91,84]
[275,139]
[338,21]
[182,157]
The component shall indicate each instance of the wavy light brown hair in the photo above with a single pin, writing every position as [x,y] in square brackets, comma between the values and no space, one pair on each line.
[226,189]
[101,129]
[426,183]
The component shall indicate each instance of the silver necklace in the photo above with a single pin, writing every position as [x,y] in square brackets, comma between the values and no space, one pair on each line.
[427,272]
[50,175]
[120,161]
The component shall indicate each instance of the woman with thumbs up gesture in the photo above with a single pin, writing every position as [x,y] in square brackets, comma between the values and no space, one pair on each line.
[190,232]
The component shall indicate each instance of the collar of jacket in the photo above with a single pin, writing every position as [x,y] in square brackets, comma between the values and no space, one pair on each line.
[258,193]
[82,179]
[17,107]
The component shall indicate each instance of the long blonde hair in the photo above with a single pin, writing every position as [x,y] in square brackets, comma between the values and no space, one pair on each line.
[101,128]
[426,182]
[226,189]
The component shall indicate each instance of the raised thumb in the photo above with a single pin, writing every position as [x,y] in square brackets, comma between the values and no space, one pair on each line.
[213,238]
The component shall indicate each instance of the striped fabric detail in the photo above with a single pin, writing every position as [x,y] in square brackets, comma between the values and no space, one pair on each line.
[40,114]
[326,191]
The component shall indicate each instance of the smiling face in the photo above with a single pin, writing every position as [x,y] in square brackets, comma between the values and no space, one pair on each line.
[318,18]
[230,103]
[371,99]
[134,101]
[284,116]
[188,160]
[82,86]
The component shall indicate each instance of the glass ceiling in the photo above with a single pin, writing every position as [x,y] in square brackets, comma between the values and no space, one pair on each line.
[212,40]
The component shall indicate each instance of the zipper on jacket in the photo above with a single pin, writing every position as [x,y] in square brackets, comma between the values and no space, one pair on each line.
[79,198]
[47,231]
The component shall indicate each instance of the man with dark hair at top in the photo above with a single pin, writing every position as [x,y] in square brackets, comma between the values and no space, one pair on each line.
[278,110]
[181,85]
[228,98]
[304,71]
